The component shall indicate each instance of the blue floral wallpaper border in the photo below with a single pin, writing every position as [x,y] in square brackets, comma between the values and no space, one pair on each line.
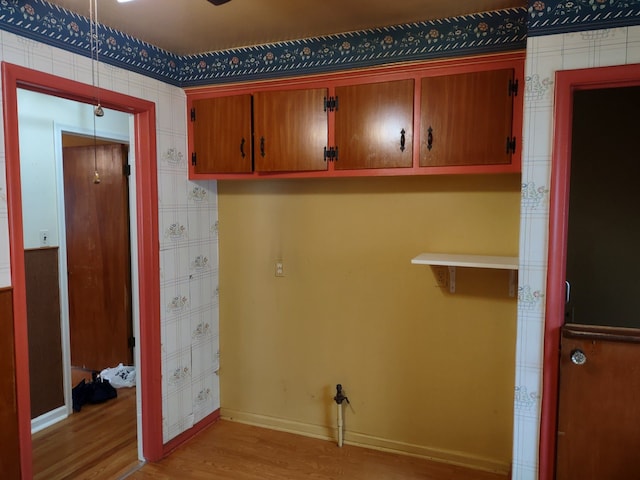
[502,30]
[486,32]
[41,21]
[548,17]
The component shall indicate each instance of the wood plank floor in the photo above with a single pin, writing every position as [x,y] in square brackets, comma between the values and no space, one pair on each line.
[233,451]
[99,442]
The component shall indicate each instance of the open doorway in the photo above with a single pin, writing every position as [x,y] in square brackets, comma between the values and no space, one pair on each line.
[568,84]
[78,270]
[73,235]
[600,359]
[146,254]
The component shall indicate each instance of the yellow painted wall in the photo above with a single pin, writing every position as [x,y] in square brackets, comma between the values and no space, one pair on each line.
[427,372]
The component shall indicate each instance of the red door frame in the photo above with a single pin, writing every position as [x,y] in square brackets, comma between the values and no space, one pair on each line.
[14,77]
[567,82]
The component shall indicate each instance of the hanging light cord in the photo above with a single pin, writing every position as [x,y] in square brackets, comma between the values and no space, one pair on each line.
[95,75]
[95,47]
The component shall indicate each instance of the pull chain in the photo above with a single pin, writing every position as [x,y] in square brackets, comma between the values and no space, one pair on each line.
[95,76]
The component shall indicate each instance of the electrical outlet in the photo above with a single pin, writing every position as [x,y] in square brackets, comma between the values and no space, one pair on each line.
[442,276]
[44,238]
[279,269]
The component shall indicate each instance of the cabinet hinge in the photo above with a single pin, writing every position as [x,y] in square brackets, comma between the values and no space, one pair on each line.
[513,87]
[127,170]
[331,154]
[330,104]
[193,159]
[132,342]
[193,114]
[511,145]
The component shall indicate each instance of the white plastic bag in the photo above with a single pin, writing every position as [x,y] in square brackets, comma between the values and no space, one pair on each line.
[120,376]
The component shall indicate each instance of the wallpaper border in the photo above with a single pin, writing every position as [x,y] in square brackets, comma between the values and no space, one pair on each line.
[487,32]
[548,17]
[481,33]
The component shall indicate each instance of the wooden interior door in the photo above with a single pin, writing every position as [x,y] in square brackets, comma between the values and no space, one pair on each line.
[374,125]
[222,134]
[599,411]
[466,119]
[98,255]
[290,130]
[599,371]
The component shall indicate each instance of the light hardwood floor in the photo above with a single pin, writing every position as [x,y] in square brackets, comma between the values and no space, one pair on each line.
[233,451]
[99,442]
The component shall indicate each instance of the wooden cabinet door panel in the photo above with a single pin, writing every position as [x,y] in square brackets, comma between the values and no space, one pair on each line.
[466,119]
[374,125]
[290,130]
[222,134]
[598,409]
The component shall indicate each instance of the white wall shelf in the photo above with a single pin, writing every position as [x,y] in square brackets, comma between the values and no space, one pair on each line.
[471,261]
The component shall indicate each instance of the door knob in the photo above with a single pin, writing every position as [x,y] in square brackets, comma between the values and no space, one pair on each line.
[578,357]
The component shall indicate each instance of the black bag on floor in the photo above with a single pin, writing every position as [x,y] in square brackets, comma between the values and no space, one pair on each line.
[97,391]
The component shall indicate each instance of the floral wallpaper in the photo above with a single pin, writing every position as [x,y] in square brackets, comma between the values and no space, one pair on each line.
[553,16]
[39,20]
[188,224]
[546,55]
[465,35]
[485,32]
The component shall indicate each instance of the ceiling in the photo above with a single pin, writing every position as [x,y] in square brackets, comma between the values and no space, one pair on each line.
[188,27]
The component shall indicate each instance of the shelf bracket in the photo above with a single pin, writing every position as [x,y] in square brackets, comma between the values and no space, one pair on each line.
[452,279]
[513,282]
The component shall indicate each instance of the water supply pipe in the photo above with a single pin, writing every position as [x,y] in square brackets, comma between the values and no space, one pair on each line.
[339,398]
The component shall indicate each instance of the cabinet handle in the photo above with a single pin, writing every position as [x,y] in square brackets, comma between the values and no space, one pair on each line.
[402,140]
[430,138]
[262,146]
[242,148]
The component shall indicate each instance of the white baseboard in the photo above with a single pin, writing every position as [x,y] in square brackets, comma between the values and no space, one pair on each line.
[47,419]
[362,440]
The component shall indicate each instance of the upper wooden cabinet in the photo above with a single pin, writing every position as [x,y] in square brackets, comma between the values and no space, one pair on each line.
[466,119]
[374,125]
[222,134]
[290,130]
[454,116]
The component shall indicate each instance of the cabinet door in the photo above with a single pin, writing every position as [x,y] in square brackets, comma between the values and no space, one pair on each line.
[466,119]
[222,134]
[290,130]
[374,125]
